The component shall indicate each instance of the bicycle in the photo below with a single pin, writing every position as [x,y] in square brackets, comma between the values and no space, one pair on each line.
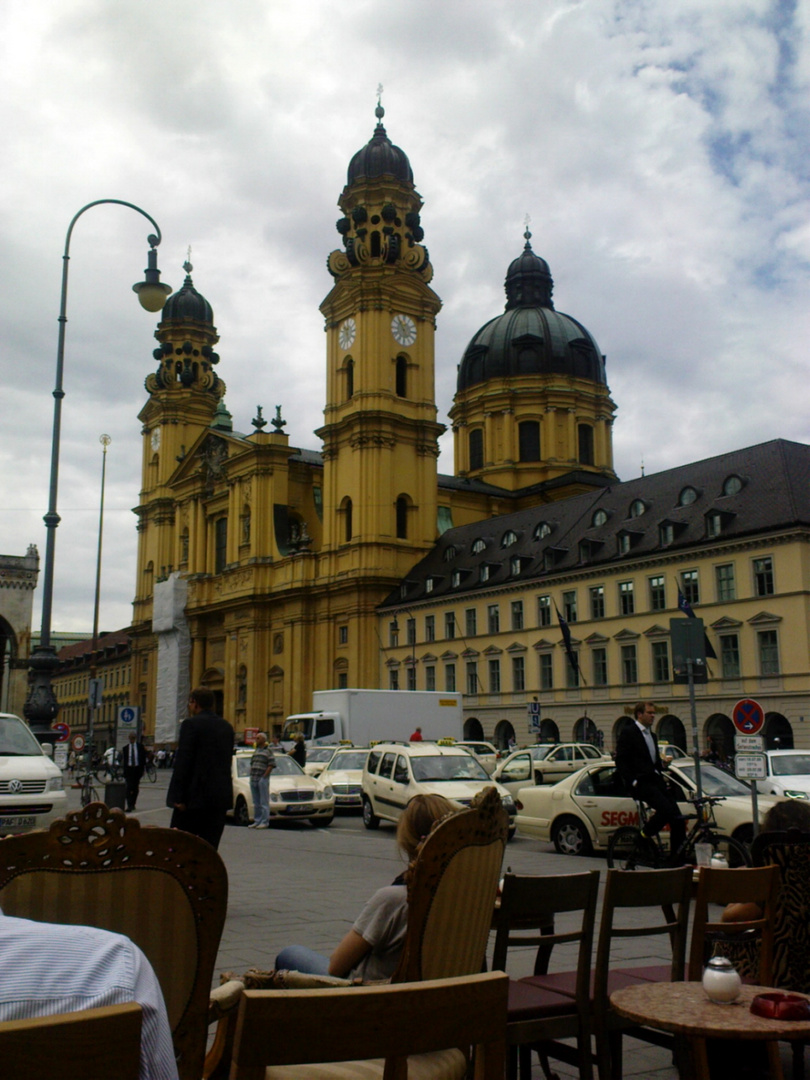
[151,773]
[88,792]
[628,849]
[107,773]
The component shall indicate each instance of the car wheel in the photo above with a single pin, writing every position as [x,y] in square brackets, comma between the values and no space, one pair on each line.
[240,812]
[321,822]
[370,819]
[571,837]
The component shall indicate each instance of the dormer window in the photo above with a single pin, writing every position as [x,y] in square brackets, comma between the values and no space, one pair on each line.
[483,572]
[732,484]
[429,584]
[714,524]
[687,496]
[455,579]
[599,518]
[666,533]
[450,553]
[542,530]
[637,508]
[508,538]
[478,546]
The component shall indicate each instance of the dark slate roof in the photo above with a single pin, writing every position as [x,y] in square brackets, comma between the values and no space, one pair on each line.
[187,305]
[379,157]
[108,644]
[774,494]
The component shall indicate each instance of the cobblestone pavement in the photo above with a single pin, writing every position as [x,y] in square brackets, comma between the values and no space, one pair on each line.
[293,884]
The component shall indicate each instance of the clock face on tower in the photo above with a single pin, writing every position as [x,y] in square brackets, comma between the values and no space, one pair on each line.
[348,332]
[156,439]
[404,329]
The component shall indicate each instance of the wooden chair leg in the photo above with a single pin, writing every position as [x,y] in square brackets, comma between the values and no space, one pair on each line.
[798,1060]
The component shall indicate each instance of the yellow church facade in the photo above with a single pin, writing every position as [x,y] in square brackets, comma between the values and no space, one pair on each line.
[262,565]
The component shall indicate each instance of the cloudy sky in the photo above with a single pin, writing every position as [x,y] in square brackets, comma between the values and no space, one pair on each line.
[660,149]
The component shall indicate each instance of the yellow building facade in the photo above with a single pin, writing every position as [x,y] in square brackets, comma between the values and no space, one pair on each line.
[261,565]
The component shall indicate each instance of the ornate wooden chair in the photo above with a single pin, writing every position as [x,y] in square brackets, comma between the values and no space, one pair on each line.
[93,1045]
[452,890]
[402,1031]
[164,889]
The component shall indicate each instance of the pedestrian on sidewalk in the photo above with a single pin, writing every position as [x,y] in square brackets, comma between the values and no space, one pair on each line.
[262,763]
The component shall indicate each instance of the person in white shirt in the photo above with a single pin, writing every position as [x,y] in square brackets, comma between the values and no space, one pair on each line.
[48,969]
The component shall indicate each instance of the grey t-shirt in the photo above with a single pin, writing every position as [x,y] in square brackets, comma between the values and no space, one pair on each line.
[382,923]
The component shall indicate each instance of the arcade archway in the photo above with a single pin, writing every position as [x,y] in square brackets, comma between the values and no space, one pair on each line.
[778,732]
[671,730]
[473,731]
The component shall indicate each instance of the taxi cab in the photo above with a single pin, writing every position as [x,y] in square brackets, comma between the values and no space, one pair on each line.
[293,794]
[395,772]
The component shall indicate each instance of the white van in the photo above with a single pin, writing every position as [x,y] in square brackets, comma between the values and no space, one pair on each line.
[32,793]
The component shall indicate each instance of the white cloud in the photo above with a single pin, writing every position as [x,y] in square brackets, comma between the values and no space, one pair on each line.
[660,150]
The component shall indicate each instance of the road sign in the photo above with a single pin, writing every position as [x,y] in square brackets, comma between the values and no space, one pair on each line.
[534,715]
[749,744]
[95,696]
[78,742]
[748,717]
[750,767]
[64,731]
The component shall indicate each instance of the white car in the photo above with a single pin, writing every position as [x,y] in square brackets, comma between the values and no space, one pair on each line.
[317,759]
[545,763]
[788,774]
[579,813]
[32,793]
[344,774]
[293,794]
[395,772]
[487,754]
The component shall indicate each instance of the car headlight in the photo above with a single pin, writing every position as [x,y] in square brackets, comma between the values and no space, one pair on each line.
[327,792]
[55,784]
[795,794]
[508,802]
[273,796]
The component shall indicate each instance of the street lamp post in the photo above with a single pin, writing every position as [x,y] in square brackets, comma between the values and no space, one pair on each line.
[94,697]
[41,706]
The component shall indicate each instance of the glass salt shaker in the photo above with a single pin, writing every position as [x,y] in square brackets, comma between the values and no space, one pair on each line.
[721,981]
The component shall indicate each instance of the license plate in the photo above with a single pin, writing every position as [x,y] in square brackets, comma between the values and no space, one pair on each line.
[303,808]
[16,822]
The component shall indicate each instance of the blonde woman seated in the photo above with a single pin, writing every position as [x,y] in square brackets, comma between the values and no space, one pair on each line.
[370,951]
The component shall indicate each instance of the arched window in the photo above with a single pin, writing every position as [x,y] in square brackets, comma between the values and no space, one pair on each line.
[529,440]
[402,518]
[585,435]
[349,378]
[402,377]
[220,544]
[477,448]
[346,510]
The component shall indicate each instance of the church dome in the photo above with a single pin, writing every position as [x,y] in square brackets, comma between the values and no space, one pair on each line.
[187,305]
[530,338]
[379,157]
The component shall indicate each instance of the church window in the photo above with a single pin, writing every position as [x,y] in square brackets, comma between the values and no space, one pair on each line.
[220,544]
[349,378]
[402,377]
[476,449]
[585,436]
[346,509]
[402,518]
[529,440]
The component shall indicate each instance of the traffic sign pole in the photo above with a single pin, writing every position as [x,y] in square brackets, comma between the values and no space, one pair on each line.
[749,718]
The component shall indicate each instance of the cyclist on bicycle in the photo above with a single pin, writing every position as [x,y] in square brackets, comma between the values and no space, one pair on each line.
[641,768]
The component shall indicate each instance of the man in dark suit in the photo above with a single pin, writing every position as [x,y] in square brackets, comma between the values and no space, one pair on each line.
[200,791]
[642,769]
[133,760]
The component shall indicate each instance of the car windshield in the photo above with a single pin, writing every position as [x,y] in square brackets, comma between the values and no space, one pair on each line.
[354,759]
[714,781]
[16,740]
[449,767]
[791,765]
[285,766]
[320,753]
[540,752]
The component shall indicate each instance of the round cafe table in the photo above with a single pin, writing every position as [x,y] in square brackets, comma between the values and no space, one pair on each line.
[684,1009]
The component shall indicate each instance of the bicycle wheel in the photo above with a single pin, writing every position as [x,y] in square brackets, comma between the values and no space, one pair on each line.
[151,774]
[735,853]
[629,850]
[89,794]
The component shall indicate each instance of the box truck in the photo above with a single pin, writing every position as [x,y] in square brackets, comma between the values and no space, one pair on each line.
[364,716]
